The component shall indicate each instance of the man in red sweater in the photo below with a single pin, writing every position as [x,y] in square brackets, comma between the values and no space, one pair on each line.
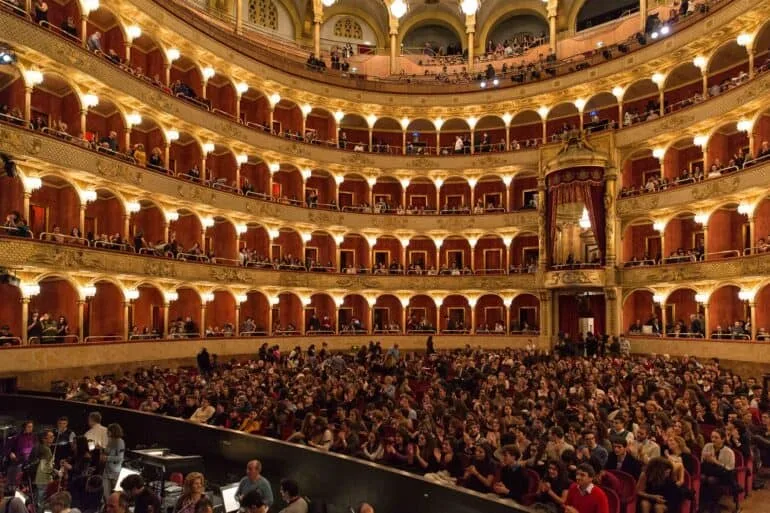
[583,496]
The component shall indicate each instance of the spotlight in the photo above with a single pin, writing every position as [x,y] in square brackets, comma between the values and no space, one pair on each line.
[654,35]
[496,82]
[483,84]
[7,55]
[665,30]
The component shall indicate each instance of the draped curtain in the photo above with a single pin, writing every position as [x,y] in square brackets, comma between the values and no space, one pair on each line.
[579,185]
[569,314]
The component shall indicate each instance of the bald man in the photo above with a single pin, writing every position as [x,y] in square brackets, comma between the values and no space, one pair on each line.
[365,507]
[253,480]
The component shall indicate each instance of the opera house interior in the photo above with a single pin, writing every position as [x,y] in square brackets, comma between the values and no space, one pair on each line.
[495,254]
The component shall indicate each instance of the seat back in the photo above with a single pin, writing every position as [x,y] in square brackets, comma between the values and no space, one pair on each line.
[613,501]
[176,477]
[533,481]
[627,483]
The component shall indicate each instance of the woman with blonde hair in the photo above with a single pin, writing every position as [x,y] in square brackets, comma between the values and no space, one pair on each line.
[193,490]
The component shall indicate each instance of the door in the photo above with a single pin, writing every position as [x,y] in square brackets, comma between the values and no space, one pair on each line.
[419,201]
[492,315]
[493,261]
[455,257]
[90,226]
[347,257]
[157,319]
[418,258]
[345,199]
[493,200]
[382,257]
[38,219]
[311,255]
[528,315]
[381,317]
[652,247]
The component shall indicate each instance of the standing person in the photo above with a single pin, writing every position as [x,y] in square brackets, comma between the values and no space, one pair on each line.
[64,441]
[44,470]
[114,453]
[96,432]
[429,349]
[583,496]
[192,490]
[253,480]
[204,361]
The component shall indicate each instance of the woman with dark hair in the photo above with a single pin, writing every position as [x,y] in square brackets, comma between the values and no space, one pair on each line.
[114,453]
[657,488]
[552,491]
[717,470]
[480,474]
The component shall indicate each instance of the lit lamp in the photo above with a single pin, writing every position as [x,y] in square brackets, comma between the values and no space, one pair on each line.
[90,100]
[207,297]
[469,7]
[133,32]
[274,99]
[31,183]
[700,140]
[398,8]
[585,222]
[131,294]
[306,173]
[744,39]
[241,88]
[745,209]
[543,112]
[701,298]
[659,226]
[88,196]
[372,240]
[306,237]
[404,123]
[507,118]
[274,167]
[339,116]
[171,296]
[207,222]
[29,289]
[618,92]
[172,135]
[241,159]
[658,79]
[744,125]
[700,62]
[89,6]
[133,207]
[133,119]
[339,239]
[241,298]
[240,229]
[746,295]
[659,153]
[274,300]
[172,215]
[273,233]
[173,54]
[208,73]
[658,299]
[580,103]
[208,147]
[338,179]
[702,219]
[87,291]
[306,109]
[371,119]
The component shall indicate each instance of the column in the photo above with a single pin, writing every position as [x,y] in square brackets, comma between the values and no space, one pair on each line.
[127,142]
[473,141]
[126,226]
[610,193]
[165,319]
[614,310]
[662,101]
[620,113]
[473,257]
[24,320]
[753,317]
[438,316]
[403,141]
[473,319]
[750,50]
[473,194]
[438,199]
[545,130]
[167,73]
[167,156]
[270,119]
[507,317]
[203,169]
[27,198]
[317,36]
[270,318]
[202,325]
[403,195]
[707,319]
[403,255]
[371,194]
[83,115]
[403,318]
[84,29]
[705,83]
[204,83]
[508,206]
[128,51]
[238,16]
[549,310]
[642,15]
[28,104]
[81,327]
[238,111]
[438,142]
[237,319]
[471,29]
[663,247]
[543,250]
[552,32]
[165,230]
[126,306]
[393,47]
[82,220]
[371,319]
[508,137]
[752,236]
[663,319]
[371,134]
[706,241]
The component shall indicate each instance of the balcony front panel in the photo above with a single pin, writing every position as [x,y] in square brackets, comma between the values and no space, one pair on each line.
[27,256]
[100,170]
[710,271]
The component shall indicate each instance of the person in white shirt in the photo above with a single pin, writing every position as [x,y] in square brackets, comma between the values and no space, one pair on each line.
[717,470]
[646,447]
[97,433]
[204,412]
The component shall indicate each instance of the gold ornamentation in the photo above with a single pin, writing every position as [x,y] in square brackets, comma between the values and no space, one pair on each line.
[716,188]
[571,278]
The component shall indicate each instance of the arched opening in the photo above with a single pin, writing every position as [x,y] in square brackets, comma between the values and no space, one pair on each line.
[387,136]
[728,315]
[11,95]
[185,157]
[186,236]
[455,315]
[421,137]
[320,190]
[421,256]
[524,192]
[220,315]
[255,312]
[641,315]
[11,200]
[255,247]
[148,59]
[353,133]
[762,301]
[221,169]
[387,195]
[105,126]
[320,127]
[387,256]
[353,315]
[255,179]
[105,35]
[185,314]
[421,315]
[642,244]
[456,257]
[760,134]
[287,248]
[684,240]
[598,12]
[353,194]
[490,134]
[62,19]
[355,257]
[105,321]
[525,315]
[489,255]
[640,169]
[222,242]
[727,68]
[105,220]
[525,252]
[432,38]
[728,233]
[728,149]
[220,92]
[54,312]
[255,109]
[562,120]
[320,253]
[684,315]
[456,137]
[147,139]
[683,87]
[455,196]
[10,315]
[490,315]
[683,164]
[287,120]
[490,194]
[287,185]
[146,314]
[54,211]
[319,315]
[55,107]
[388,317]
[421,196]
[641,102]
[517,32]
[600,113]
[187,81]
[760,239]
[147,227]
[526,130]
[287,315]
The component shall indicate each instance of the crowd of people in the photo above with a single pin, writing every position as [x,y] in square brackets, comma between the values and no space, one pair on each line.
[490,421]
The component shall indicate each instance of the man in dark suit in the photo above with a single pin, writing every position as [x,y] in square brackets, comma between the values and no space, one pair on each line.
[621,459]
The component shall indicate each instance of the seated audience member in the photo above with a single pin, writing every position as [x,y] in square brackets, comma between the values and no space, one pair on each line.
[290,494]
[583,496]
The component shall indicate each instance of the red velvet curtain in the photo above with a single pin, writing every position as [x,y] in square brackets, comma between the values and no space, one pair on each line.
[569,314]
[581,185]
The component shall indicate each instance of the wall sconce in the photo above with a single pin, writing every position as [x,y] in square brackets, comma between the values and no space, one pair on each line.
[171,296]
[133,207]
[208,147]
[32,183]
[618,92]
[658,79]
[700,140]
[405,182]
[339,116]
[207,222]
[507,118]
[241,87]
[404,123]
[274,167]
[274,99]
[473,241]
[659,226]
[372,240]
[172,135]
[702,219]
[29,289]
[274,300]
[208,73]
[173,54]
[658,298]
[90,100]
[580,103]
[306,109]
[306,237]
[207,297]
[133,119]
[701,298]
[87,291]
[133,32]
[338,179]
[339,239]
[700,62]
[241,159]
[472,121]
[240,229]
[88,196]
[273,233]
[172,215]
[306,173]
[543,111]
[438,123]
[131,294]
[659,153]
[241,298]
